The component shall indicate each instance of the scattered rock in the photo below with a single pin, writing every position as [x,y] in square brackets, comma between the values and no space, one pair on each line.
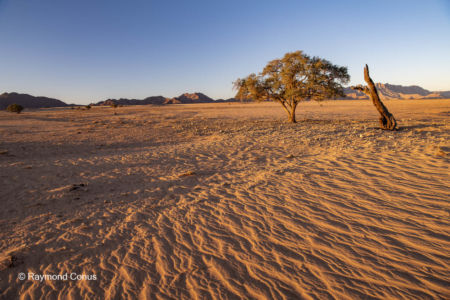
[76,186]
[188,173]
[289,156]
[13,261]
[37,204]
[443,151]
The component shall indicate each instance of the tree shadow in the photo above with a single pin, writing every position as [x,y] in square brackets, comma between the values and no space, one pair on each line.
[419,126]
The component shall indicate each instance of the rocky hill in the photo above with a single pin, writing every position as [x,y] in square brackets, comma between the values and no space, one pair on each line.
[194,98]
[124,101]
[184,98]
[28,101]
[391,91]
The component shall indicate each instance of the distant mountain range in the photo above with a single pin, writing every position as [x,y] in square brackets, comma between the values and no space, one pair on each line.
[160,100]
[386,91]
[28,101]
[391,91]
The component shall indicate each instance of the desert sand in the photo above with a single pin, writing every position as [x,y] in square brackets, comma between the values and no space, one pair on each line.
[227,201]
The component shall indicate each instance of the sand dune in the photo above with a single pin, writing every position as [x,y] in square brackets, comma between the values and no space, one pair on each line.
[227,201]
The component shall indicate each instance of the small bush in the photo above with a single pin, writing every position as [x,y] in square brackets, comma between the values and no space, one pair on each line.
[88,107]
[17,108]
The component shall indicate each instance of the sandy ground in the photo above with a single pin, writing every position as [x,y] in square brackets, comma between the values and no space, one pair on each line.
[226,201]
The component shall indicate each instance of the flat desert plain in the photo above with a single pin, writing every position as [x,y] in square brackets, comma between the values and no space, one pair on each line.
[226,201]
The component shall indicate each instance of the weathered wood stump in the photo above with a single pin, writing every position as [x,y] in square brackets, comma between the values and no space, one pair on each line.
[387,120]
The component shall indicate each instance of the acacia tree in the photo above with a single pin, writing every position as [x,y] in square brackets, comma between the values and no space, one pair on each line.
[294,78]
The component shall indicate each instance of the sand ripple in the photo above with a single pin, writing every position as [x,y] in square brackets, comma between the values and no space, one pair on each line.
[318,211]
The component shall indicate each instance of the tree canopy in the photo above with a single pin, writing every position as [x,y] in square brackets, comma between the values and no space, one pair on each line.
[295,77]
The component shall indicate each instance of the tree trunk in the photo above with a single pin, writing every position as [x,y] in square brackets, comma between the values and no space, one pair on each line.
[292,114]
[387,120]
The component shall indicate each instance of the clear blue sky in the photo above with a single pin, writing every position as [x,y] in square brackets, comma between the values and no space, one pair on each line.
[84,51]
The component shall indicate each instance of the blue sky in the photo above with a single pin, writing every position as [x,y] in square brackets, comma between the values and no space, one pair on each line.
[87,51]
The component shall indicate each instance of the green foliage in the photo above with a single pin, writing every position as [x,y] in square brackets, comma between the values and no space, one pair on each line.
[294,78]
[17,108]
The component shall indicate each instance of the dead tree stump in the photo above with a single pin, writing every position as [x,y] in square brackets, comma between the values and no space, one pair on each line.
[387,120]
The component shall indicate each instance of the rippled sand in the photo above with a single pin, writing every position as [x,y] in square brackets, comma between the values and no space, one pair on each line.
[227,201]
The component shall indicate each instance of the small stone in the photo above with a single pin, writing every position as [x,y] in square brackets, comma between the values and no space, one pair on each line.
[77,186]
[188,173]
[14,261]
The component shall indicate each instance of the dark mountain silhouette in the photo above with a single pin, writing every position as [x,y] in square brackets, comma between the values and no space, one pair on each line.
[194,98]
[28,101]
[124,101]
[197,98]
[184,98]
[444,94]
